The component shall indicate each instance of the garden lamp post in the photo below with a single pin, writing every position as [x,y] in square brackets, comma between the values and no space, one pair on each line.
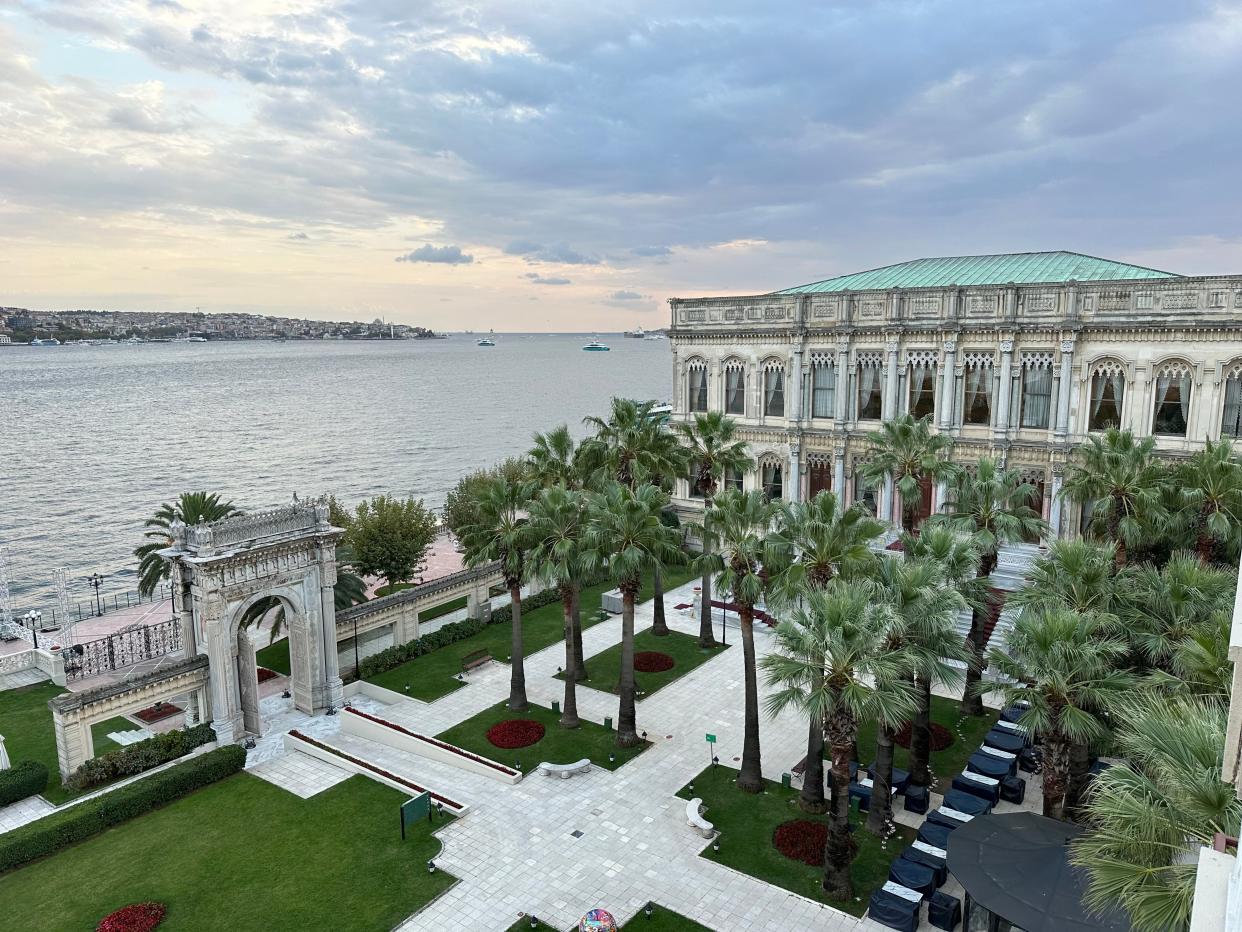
[95,581]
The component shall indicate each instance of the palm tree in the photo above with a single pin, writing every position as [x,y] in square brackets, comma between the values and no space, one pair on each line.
[822,540]
[190,508]
[908,452]
[500,532]
[1120,479]
[738,523]
[831,664]
[713,453]
[1211,486]
[557,555]
[994,505]
[556,459]
[1075,574]
[625,536]
[1164,606]
[1148,818]
[1201,665]
[1062,663]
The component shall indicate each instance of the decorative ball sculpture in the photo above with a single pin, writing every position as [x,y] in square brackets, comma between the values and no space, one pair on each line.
[597,920]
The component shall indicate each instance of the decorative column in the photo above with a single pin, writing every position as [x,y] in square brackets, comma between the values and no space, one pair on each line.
[950,382]
[1001,425]
[332,695]
[1063,396]
[793,488]
[838,474]
[1054,513]
[890,382]
[841,398]
[794,412]
[940,494]
[886,500]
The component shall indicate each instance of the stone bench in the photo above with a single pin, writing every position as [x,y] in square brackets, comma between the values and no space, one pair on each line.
[695,819]
[565,771]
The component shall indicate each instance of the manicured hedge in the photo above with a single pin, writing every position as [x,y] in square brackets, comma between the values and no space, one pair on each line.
[25,778]
[140,757]
[79,822]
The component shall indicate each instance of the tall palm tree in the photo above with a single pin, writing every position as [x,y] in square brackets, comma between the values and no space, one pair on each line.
[1075,574]
[1211,488]
[1148,818]
[713,452]
[738,523]
[994,505]
[556,459]
[1062,663]
[1120,479]
[625,536]
[822,539]
[500,532]
[1201,665]
[557,555]
[831,664]
[910,453]
[189,508]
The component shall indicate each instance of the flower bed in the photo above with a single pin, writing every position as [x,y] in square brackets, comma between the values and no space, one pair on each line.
[653,661]
[157,712]
[941,737]
[515,733]
[137,917]
[802,840]
[436,741]
[265,674]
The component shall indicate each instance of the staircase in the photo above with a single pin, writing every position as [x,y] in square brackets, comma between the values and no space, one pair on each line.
[1013,562]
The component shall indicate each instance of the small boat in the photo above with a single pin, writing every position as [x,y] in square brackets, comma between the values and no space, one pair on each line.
[44,341]
[486,341]
[197,340]
[655,336]
[597,347]
[636,334]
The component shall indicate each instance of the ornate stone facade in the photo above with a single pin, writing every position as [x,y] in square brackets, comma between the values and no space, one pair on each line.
[1020,372]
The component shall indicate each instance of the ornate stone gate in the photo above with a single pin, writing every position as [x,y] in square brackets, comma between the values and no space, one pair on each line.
[220,570]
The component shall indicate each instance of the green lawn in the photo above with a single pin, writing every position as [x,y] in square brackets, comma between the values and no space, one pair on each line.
[558,745]
[747,821]
[241,854]
[99,734]
[26,723]
[604,669]
[433,675]
[662,920]
[275,656]
[947,763]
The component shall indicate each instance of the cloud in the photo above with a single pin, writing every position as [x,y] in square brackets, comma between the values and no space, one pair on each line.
[651,251]
[445,255]
[537,279]
[534,252]
[626,296]
[299,236]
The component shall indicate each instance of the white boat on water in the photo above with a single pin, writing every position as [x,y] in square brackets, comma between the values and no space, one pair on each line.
[44,341]
[486,341]
[597,347]
[637,333]
[655,336]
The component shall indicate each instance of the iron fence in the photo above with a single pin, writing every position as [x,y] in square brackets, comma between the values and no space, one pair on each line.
[123,649]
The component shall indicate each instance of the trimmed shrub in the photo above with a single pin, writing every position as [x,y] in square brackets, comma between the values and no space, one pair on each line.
[140,757]
[25,778]
[653,661]
[79,822]
[802,840]
[137,917]
[515,733]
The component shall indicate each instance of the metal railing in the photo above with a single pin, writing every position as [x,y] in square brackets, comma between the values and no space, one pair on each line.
[91,608]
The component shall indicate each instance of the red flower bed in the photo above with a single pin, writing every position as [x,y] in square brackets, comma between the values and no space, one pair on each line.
[515,733]
[653,661]
[802,840]
[436,741]
[941,737]
[157,712]
[265,674]
[137,917]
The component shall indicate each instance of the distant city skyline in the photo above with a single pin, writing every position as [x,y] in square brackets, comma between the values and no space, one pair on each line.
[561,167]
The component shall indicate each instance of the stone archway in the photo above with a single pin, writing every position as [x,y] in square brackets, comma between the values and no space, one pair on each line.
[221,570]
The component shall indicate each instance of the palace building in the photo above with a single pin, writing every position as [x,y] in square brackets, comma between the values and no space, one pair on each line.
[1020,357]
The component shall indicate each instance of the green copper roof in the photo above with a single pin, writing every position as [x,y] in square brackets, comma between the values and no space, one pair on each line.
[1018,267]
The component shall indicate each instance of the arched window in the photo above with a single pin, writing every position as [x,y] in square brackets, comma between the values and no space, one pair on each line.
[870,401]
[772,477]
[1108,385]
[864,491]
[1231,420]
[773,389]
[1171,412]
[735,387]
[922,384]
[733,479]
[1036,403]
[823,386]
[819,474]
[977,394]
[696,379]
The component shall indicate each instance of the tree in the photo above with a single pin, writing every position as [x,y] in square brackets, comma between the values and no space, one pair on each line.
[390,536]
[830,663]
[713,452]
[500,532]
[1064,665]
[994,505]
[911,454]
[822,539]
[189,508]
[1147,818]
[1211,489]
[1075,574]
[738,523]
[557,554]
[1119,478]
[461,503]
[626,537]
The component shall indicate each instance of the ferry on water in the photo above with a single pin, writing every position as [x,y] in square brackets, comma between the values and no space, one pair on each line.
[637,333]
[487,340]
[44,341]
[597,347]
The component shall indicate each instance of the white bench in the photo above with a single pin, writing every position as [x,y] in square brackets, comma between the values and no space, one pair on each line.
[696,821]
[565,771]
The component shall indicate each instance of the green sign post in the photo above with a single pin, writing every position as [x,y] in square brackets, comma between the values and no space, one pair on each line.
[414,809]
[711,748]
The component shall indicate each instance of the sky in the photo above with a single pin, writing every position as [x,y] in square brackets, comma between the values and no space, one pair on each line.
[543,165]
